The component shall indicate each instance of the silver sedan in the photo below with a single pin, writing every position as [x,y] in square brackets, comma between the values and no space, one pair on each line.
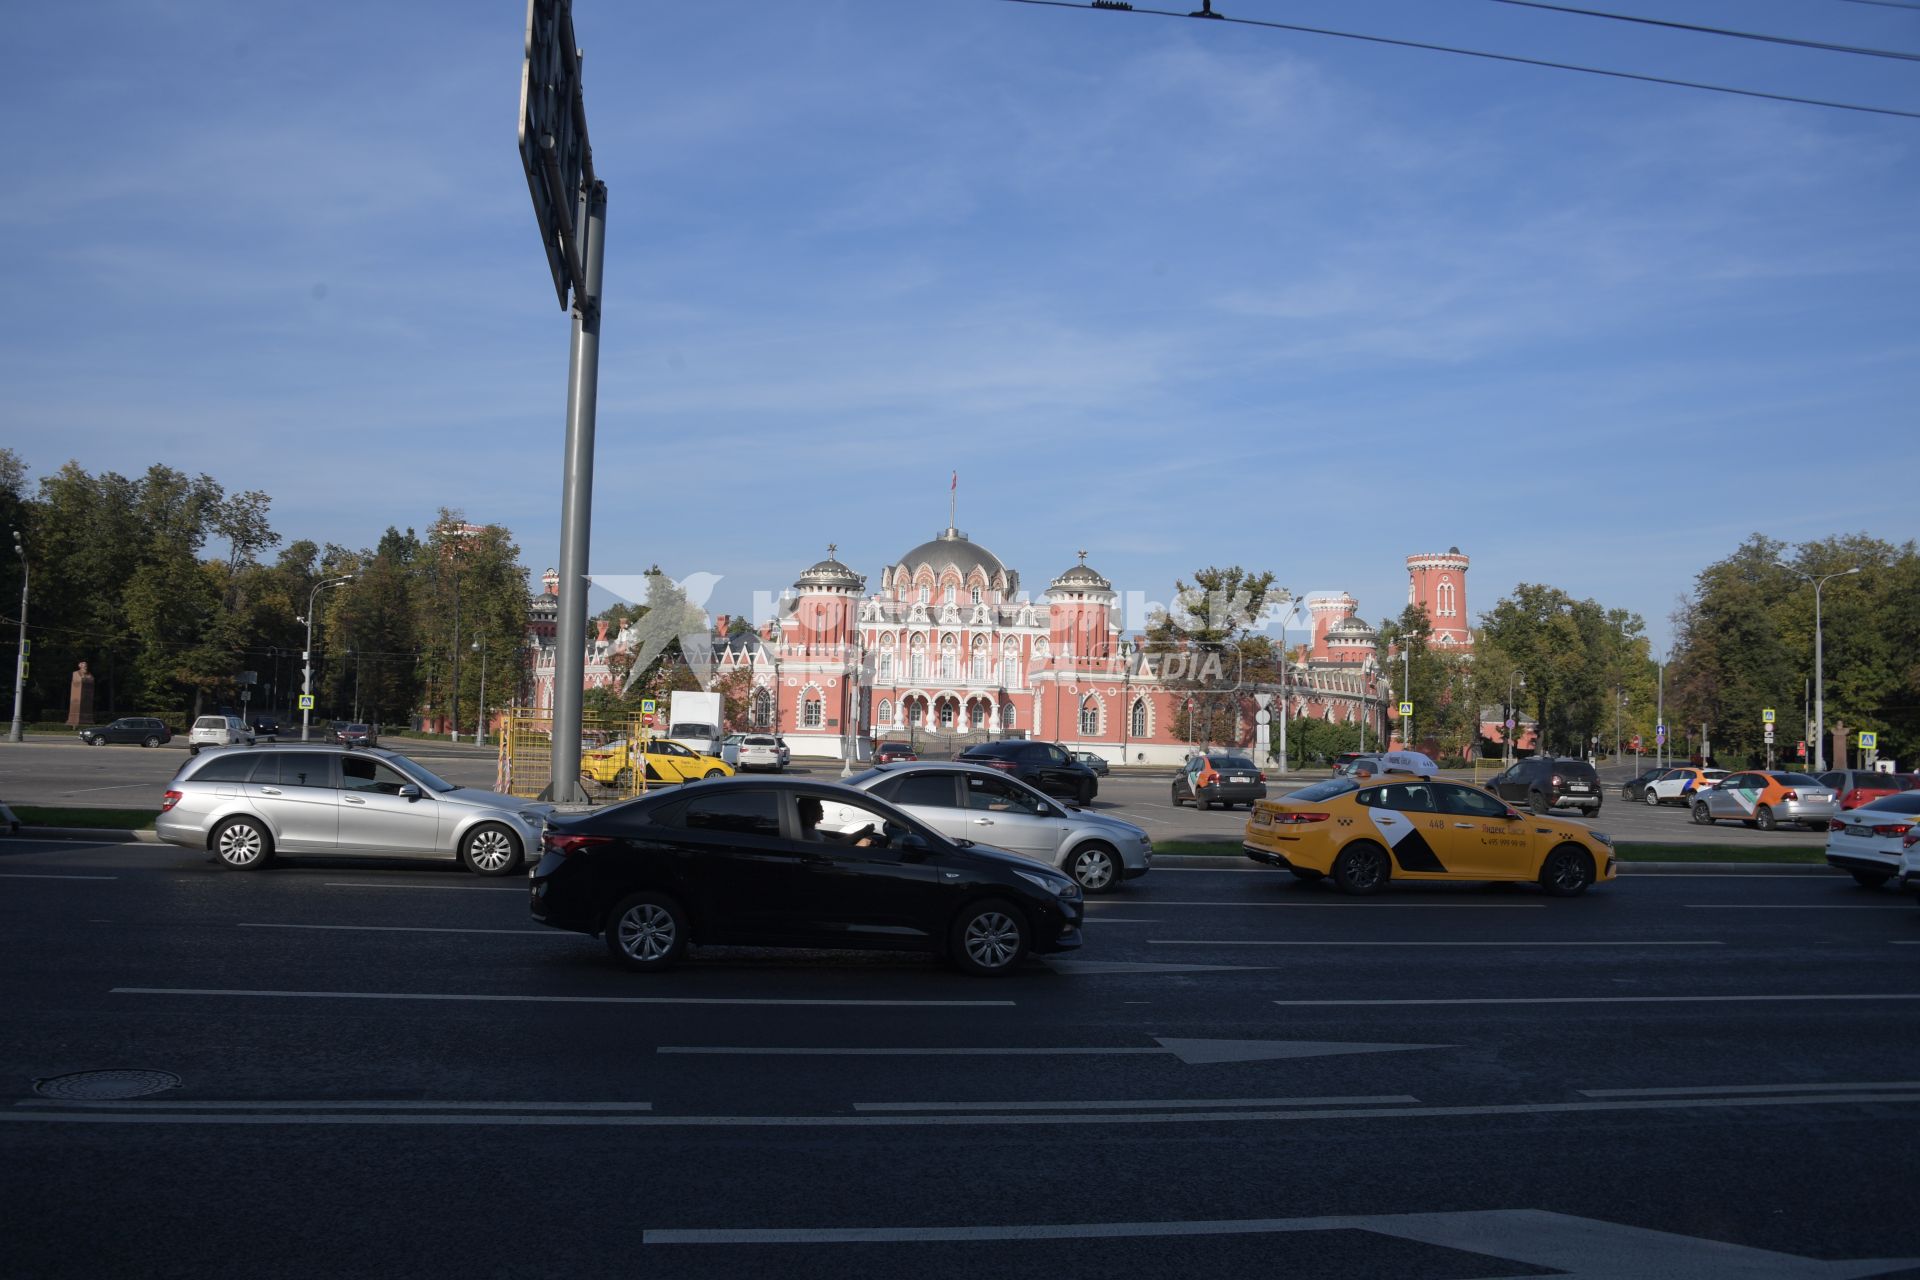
[248,803]
[975,803]
[1766,800]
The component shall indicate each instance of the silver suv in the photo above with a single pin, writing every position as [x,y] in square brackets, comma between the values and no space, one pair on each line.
[971,802]
[248,803]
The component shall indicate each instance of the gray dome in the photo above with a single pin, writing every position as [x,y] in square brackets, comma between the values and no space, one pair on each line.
[1082,577]
[1351,626]
[953,549]
[830,573]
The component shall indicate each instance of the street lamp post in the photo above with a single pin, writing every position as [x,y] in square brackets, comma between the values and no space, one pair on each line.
[1819,674]
[1293,607]
[17,732]
[480,721]
[1513,711]
[306,677]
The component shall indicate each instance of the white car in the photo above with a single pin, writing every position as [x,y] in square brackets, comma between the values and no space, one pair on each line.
[218,731]
[1878,841]
[1676,786]
[760,751]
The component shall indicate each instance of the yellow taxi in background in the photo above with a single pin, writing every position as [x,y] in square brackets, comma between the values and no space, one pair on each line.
[1365,834]
[664,761]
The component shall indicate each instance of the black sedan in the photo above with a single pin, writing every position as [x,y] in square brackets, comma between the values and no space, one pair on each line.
[1045,766]
[144,731]
[1219,779]
[787,863]
[1635,788]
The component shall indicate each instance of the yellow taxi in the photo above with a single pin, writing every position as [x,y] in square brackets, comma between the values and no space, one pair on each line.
[1364,834]
[664,761]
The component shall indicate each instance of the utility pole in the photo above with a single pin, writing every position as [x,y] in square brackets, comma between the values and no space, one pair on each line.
[18,733]
[480,721]
[1819,673]
[306,676]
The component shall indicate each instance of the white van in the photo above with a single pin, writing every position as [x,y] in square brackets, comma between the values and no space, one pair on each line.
[218,731]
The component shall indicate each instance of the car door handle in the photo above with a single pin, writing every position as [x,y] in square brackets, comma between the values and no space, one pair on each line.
[353,799]
[1464,826]
[983,822]
[269,791]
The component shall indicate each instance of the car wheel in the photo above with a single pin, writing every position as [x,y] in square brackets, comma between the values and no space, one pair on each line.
[490,850]
[1174,795]
[151,742]
[1764,817]
[96,741]
[1362,868]
[194,749]
[1702,814]
[1538,803]
[1096,867]
[1567,872]
[1311,877]
[1084,796]
[243,844]
[1869,879]
[647,932]
[988,937]
[713,773]
[1652,797]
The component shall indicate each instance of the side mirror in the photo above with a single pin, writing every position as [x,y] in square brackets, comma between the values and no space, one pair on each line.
[409,792]
[906,841]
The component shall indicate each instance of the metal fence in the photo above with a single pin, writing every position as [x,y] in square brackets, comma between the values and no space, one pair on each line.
[608,767]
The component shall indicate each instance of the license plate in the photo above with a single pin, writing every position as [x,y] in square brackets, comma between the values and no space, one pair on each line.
[1262,818]
[1579,786]
[1239,778]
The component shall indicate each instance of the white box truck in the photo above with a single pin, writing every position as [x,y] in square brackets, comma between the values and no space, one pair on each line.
[695,721]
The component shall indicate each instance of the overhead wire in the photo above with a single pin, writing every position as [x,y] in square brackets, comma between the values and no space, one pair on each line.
[1481,53]
[1714,31]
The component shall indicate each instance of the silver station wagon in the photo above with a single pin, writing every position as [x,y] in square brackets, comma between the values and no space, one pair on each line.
[248,803]
[970,802]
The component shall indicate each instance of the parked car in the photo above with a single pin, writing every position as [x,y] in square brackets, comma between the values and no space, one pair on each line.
[785,862]
[248,806]
[218,731]
[1362,765]
[1345,758]
[662,760]
[1543,783]
[1676,786]
[1856,787]
[1045,765]
[1876,842]
[336,731]
[1364,836]
[144,730]
[358,735]
[892,753]
[971,802]
[1093,761]
[1219,778]
[1635,788]
[267,727]
[1766,800]
[758,751]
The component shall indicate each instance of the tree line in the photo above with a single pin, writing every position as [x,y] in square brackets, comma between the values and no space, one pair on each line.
[180,596]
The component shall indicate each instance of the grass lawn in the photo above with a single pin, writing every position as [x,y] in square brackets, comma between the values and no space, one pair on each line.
[34,815]
[1628,851]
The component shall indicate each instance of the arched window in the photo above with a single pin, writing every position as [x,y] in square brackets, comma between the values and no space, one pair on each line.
[885,714]
[1010,664]
[1139,721]
[976,714]
[946,713]
[1007,716]
[926,593]
[810,710]
[976,595]
[916,711]
[979,672]
[883,667]
[917,659]
[949,658]
[1089,716]
[761,712]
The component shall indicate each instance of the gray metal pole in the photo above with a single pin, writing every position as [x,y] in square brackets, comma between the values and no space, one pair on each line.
[576,511]
[18,732]
[1819,687]
[453,709]
[306,669]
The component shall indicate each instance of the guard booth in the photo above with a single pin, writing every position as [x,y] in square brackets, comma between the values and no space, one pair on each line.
[609,749]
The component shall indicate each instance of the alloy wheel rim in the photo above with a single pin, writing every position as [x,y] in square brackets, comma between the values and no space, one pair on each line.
[993,939]
[1568,874]
[491,850]
[239,845]
[647,932]
[1366,870]
[1093,869]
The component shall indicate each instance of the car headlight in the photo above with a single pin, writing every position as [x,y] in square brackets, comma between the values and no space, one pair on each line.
[1602,837]
[1058,886]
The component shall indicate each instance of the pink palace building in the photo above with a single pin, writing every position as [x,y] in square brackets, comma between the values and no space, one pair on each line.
[950,649]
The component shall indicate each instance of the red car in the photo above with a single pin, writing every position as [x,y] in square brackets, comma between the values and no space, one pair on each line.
[1856,787]
[893,752]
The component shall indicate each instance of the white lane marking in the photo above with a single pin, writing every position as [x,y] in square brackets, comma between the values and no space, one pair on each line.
[1189,1051]
[402,928]
[1267,942]
[1061,965]
[1550,1242]
[118,786]
[1168,1104]
[1599,1000]
[1796,906]
[160,1114]
[343,1106]
[1126,920]
[1677,1091]
[415,995]
[24,875]
[464,888]
[1906,942]
[1358,906]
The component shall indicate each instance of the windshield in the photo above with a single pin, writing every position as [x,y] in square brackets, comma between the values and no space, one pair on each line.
[425,776]
[1324,790]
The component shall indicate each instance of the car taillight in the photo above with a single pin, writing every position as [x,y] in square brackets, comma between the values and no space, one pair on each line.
[1834,824]
[1790,795]
[1005,766]
[1910,839]
[565,844]
[169,800]
[1893,829]
[1293,819]
[1259,777]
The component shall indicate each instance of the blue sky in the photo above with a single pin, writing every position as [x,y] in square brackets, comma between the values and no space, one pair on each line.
[1177,292]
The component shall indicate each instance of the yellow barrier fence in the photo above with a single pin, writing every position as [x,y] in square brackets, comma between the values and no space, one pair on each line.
[525,763]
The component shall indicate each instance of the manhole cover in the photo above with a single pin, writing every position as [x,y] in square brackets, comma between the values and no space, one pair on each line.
[104,1086]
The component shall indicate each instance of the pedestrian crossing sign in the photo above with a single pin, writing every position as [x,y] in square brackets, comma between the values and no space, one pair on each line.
[1766,715]
[306,702]
[1869,740]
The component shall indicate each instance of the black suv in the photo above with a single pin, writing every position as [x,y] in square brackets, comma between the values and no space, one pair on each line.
[1545,783]
[1045,765]
[145,730]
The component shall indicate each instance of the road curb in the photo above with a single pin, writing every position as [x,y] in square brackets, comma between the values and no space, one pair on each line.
[1211,862]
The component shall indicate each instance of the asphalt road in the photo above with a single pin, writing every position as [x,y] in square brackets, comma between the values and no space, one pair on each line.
[390,1069]
[50,771]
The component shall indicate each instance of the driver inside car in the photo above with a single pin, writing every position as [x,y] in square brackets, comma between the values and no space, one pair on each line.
[811,811]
